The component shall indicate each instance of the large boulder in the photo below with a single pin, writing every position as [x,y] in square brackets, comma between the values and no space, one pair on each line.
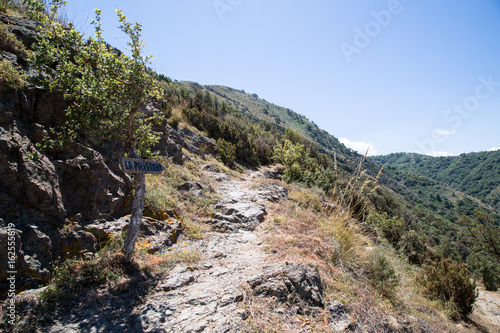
[289,282]
[29,184]
[89,186]
[154,235]
[27,271]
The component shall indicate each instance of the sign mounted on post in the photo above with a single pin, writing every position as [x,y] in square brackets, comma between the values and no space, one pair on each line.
[135,165]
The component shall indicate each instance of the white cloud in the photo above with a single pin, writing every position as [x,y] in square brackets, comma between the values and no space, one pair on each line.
[445,132]
[440,153]
[494,149]
[360,146]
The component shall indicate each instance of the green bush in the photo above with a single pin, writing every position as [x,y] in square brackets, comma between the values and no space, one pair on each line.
[11,78]
[485,268]
[174,121]
[227,152]
[449,282]
[73,277]
[382,275]
[5,5]
[392,228]
[412,245]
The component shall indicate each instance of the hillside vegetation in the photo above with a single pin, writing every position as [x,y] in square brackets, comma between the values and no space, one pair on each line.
[477,174]
[390,244]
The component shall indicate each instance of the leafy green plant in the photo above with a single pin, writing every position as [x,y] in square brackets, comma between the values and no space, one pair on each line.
[449,282]
[412,245]
[483,233]
[75,276]
[293,157]
[5,5]
[392,228]
[174,121]
[105,88]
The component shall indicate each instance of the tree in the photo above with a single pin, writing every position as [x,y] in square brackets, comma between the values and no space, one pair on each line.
[483,233]
[104,88]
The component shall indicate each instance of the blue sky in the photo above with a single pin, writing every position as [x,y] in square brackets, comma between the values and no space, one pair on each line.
[399,75]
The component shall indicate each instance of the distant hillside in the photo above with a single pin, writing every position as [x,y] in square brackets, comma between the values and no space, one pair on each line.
[477,174]
[424,203]
[260,109]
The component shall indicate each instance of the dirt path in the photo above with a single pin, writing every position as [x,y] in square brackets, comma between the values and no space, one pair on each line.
[204,298]
[487,310]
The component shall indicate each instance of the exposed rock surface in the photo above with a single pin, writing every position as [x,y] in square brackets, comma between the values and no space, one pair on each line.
[25,30]
[159,234]
[243,208]
[287,282]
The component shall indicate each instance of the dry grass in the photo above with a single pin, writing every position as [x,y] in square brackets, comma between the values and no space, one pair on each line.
[376,285]
[164,192]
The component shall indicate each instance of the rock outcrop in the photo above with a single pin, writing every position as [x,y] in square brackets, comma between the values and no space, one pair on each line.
[289,282]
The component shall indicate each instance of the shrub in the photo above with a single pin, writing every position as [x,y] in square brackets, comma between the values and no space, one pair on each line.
[11,78]
[174,121]
[382,274]
[75,276]
[412,245]
[449,282]
[9,42]
[227,151]
[392,228]
[485,268]
[5,5]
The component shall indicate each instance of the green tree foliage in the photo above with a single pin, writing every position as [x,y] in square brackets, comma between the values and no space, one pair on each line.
[104,88]
[294,157]
[227,152]
[477,174]
[391,228]
[449,282]
[486,268]
[412,245]
[483,233]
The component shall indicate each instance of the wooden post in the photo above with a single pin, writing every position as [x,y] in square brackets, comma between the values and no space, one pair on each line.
[139,168]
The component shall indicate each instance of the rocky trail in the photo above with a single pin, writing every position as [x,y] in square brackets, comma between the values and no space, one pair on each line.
[206,296]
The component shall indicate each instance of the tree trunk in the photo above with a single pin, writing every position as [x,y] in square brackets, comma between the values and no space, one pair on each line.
[136,217]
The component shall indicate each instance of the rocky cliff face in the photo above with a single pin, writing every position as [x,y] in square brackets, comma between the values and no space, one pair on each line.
[41,194]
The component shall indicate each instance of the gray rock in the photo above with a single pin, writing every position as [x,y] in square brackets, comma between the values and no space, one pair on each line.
[25,30]
[178,278]
[28,271]
[161,234]
[286,282]
[338,317]
[10,57]
[272,174]
[38,245]
[206,144]
[89,186]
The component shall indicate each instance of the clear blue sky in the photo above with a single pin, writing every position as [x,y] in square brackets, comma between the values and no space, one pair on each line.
[408,75]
